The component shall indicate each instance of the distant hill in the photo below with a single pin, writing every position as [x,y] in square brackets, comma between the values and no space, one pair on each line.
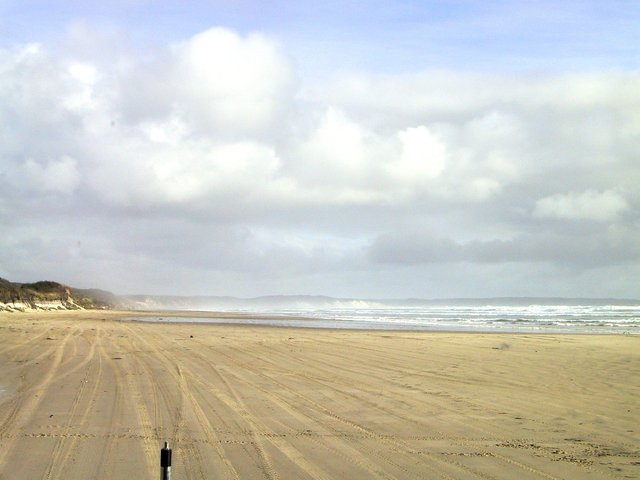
[48,295]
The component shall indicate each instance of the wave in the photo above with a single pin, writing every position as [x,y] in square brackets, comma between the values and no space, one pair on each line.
[534,318]
[578,318]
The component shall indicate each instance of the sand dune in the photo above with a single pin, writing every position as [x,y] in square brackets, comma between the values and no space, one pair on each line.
[87,396]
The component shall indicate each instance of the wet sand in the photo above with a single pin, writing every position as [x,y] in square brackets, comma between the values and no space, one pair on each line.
[89,396]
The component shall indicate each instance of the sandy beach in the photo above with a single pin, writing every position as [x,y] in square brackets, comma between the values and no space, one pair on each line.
[85,395]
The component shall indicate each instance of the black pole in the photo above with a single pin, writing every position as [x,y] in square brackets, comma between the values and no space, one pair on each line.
[165,462]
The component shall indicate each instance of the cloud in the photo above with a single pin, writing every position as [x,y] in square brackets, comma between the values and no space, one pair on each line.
[587,205]
[423,247]
[423,155]
[337,147]
[219,83]
[414,248]
[207,157]
[183,175]
[59,176]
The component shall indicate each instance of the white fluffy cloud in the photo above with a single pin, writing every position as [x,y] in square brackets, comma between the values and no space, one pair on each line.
[423,155]
[336,149]
[219,83]
[232,82]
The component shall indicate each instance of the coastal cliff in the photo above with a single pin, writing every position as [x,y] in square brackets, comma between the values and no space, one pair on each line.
[48,295]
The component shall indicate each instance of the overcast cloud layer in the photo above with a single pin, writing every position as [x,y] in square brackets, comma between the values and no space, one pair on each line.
[210,165]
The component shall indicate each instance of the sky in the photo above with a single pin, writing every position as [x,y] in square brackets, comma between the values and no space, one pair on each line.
[380,149]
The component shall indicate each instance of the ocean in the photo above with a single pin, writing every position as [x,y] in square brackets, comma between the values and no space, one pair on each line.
[589,319]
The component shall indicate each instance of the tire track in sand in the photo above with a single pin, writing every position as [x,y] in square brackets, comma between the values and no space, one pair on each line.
[388,440]
[331,385]
[192,454]
[24,402]
[106,464]
[264,432]
[296,456]
[65,444]
[289,450]
[364,431]
[487,430]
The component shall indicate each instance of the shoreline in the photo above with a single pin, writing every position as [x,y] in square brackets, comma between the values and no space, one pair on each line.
[391,330]
[353,324]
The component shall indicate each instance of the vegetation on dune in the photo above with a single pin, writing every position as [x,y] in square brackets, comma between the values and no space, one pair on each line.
[52,295]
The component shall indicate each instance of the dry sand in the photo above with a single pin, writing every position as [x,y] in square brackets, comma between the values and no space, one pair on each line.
[87,396]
